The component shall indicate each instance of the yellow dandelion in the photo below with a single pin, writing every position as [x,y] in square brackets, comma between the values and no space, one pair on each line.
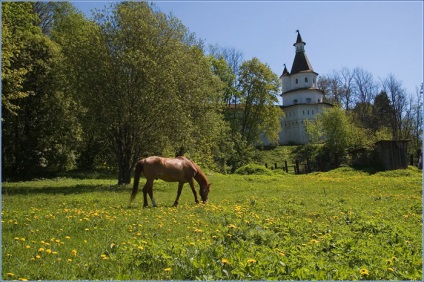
[23,239]
[74,253]
[48,251]
[140,248]
[37,257]
[55,253]
[251,261]
[168,269]
[224,261]
[23,279]
[364,271]
[69,260]
[10,274]
[390,269]
[28,247]
[67,237]
[40,250]
[231,226]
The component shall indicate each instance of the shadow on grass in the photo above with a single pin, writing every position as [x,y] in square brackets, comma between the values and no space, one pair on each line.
[65,190]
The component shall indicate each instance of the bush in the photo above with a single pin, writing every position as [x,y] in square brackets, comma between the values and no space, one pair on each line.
[253,169]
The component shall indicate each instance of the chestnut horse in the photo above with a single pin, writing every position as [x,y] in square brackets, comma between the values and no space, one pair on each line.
[178,169]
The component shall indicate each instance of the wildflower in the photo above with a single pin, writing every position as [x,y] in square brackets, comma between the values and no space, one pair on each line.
[224,261]
[168,269]
[23,279]
[364,271]
[48,251]
[28,247]
[74,253]
[10,274]
[40,250]
[37,257]
[104,257]
[69,260]
[140,248]
[390,269]
[55,253]
[231,226]
[67,237]
[251,261]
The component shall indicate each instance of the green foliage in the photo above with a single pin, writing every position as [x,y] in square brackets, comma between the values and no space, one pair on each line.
[259,89]
[40,131]
[18,30]
[338,132]
[340,225]
[253,169]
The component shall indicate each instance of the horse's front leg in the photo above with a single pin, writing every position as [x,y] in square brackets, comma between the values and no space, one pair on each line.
[194,190]
[180,188]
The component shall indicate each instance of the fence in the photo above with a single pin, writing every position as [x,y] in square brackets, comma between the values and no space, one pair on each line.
[299,167]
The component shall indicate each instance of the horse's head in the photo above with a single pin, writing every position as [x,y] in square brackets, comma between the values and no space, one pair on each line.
[204,192]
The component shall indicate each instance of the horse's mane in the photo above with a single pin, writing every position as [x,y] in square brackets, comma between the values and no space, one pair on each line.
[199,172]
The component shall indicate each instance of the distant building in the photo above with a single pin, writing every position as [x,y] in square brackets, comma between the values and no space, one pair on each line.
[302,99]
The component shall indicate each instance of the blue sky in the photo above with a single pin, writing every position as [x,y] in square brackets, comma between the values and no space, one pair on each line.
[382,37]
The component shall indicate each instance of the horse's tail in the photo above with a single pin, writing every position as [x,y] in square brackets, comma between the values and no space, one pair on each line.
[137,172]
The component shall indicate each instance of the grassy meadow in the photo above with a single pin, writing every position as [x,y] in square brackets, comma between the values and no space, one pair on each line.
[339,225]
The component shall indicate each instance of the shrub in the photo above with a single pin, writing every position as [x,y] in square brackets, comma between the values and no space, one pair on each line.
[253,169]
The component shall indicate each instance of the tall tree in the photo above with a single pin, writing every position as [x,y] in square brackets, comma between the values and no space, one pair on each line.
[39,130]
[259,88]
[17,28]
[144,82]
[397,96]
[382,112]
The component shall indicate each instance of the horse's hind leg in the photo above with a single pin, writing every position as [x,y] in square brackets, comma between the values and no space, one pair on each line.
[194,190]
[180,188]
[151,196]
[146,189]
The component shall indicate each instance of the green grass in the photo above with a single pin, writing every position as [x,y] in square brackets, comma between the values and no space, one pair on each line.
[340,225]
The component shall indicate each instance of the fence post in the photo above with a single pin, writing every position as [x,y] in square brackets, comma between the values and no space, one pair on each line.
[297,171]
[266,165]
[275,165]
[286,167]
[308,166]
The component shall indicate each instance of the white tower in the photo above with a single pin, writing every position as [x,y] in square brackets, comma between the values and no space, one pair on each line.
[301,98]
